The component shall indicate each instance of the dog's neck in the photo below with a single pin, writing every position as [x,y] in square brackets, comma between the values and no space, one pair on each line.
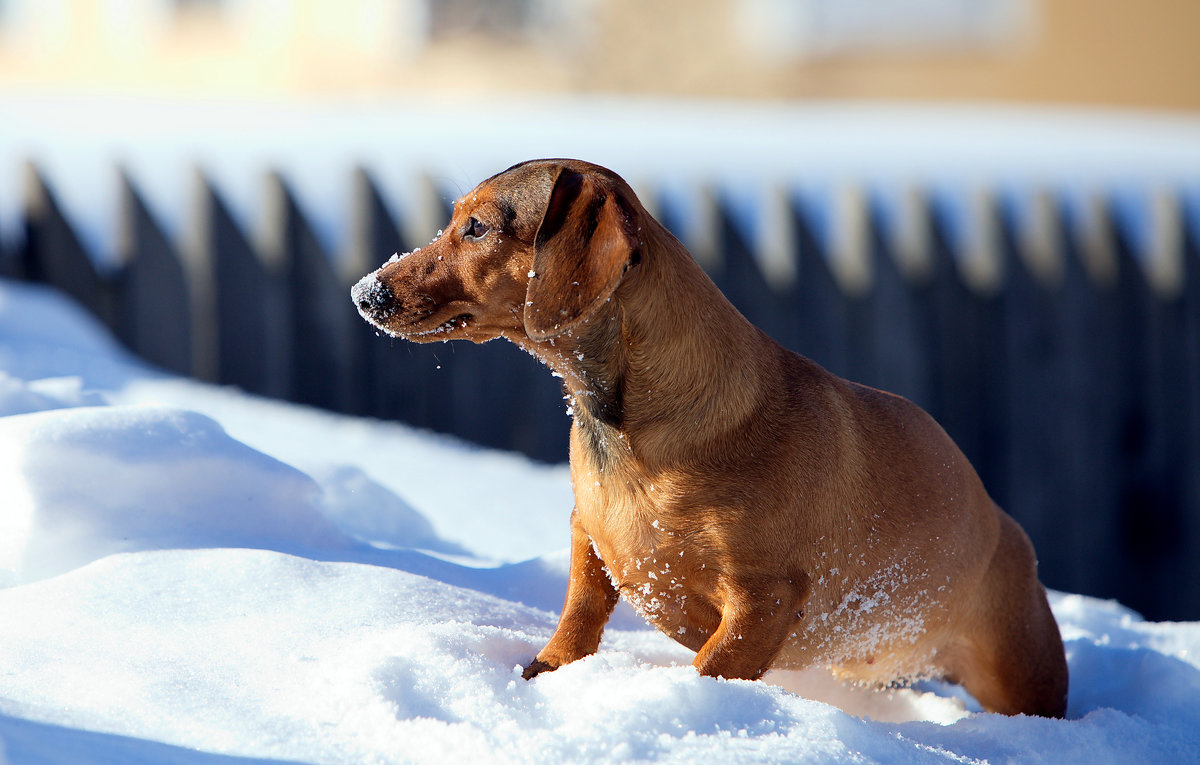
[663,364]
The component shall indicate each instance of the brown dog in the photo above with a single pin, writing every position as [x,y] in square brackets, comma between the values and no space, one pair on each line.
[751,505]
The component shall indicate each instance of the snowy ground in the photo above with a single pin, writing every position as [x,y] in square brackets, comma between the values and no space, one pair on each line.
[192,575]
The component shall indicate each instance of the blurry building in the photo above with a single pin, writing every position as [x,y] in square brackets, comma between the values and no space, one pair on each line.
[1095,52]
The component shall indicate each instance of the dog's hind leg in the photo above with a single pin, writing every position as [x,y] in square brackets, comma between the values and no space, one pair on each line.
[1011,655]
[591,598]
[756,619]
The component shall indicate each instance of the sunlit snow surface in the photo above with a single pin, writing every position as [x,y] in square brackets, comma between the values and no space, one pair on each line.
[193,575]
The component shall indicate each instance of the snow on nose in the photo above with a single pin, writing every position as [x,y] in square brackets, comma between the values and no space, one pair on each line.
[374,300]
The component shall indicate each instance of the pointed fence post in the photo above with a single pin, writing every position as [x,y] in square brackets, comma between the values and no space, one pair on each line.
[1188,601]
[851,261]
[967,392]
[10,260]
[1152,519]
[153,306]
[52,253]
[239,307]
[740,275]
[317,311]
[1091,398]
[402,381]
[374,237]
[1037,401]
[394,373]
[902,308]
[696,226]
[1158,525]
[819,310]
[435,368]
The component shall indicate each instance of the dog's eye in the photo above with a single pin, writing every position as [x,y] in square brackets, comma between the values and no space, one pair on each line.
[476,229]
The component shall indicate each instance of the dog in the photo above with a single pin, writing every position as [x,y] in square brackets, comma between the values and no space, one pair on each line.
[749,504]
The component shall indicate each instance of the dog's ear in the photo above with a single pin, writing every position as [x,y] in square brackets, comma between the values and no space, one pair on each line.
[584,244]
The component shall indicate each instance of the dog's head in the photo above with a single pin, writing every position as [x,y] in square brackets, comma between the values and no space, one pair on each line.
[530,253]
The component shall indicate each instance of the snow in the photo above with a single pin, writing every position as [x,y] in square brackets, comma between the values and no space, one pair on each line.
[193,575]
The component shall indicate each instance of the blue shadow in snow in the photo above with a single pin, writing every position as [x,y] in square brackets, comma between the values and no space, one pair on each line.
[34,743]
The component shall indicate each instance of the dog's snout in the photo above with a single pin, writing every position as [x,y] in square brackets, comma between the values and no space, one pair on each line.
[373,298]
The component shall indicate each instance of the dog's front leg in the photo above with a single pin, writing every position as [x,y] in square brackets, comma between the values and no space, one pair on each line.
[591,598]
[756,619]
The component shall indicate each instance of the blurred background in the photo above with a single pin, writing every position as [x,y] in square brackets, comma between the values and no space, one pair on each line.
[1103,52]
[989,206]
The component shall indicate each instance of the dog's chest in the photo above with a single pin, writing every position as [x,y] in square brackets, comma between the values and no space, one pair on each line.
[660,584]
[668,580]
[652,556]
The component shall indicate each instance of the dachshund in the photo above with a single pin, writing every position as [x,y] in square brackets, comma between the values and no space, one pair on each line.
[751,505]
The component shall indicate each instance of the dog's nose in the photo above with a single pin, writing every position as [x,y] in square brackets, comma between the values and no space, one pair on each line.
[374,300]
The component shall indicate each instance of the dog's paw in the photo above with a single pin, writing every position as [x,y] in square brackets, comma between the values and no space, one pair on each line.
[535,668]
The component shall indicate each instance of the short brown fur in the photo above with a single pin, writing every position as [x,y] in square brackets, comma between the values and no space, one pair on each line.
[756,508]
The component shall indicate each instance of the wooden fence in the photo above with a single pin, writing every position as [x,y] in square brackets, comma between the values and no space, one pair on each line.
[1057,343]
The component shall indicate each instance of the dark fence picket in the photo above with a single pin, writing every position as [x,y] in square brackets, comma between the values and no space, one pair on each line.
[153,303]
[319,363]
[442,371]
[817,309]
[249,315]
[1187,600]
[504,397]
[1146,521]
[10,261]
[1167,543]
[375,366]
[1032,350]
[902,311]
[1157,519]
[436,363]
[967,389]
[740,277]
[51,253]
[395,375]
[1091,419]
[1064,363]
[852,261]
